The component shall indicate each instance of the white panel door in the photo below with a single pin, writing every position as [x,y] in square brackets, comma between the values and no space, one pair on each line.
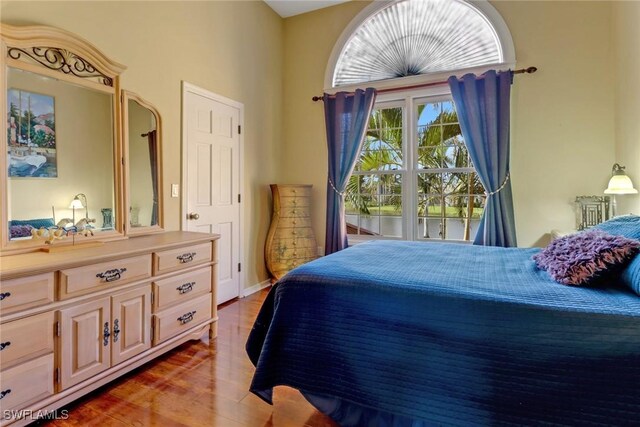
[213,182]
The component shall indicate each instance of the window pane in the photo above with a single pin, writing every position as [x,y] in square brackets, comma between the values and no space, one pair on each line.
[427,113]
[429,136]
[449,113]
[451,134]
[391,226]
[390,205]
[455,229]
[370,225]
[429,228]
[374,120]
[382,148]
[390,184]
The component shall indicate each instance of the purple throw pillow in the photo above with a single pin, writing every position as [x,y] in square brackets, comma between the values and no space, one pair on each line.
[580,258]
[20,231]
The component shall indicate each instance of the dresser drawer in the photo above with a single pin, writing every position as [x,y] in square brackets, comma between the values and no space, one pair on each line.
[294,191]
[180,288]
[177,319]
[25,339]
[294,222]
[26,383]
[294,243]
[84,280]
[292,233]
[26,292]
[297,253]
[295,202]
[176,259]
[294,213]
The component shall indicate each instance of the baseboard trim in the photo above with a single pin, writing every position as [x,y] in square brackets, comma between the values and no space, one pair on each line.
[256,288]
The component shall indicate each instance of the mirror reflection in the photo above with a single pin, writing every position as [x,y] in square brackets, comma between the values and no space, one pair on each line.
[60,155]
[143,165]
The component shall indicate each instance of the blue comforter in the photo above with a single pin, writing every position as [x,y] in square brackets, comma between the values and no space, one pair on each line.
[402,333]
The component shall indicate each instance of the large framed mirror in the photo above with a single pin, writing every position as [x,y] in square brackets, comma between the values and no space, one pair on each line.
[62,151]
[142,135]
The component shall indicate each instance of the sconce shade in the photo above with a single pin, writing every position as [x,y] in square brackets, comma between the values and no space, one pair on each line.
[76,203]
[620,183]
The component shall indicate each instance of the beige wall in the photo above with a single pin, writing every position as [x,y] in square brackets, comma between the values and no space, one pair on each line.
[626,36]
[232,48]
[563,123]
[84,137]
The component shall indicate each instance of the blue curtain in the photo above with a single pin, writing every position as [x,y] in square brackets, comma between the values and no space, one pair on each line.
[152,136]
[346,116]
[483,107]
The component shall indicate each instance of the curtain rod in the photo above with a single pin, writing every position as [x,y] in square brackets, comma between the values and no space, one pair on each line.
[528,70]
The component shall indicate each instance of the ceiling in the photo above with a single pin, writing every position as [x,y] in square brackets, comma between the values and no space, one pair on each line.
[286,8]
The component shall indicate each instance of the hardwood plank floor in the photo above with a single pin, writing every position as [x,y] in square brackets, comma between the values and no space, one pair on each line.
[197,384]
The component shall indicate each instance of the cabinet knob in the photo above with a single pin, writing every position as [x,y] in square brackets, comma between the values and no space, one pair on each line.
[106,334]
[193,216]
[4,345]
[5,295]
[3,393]
[116,330]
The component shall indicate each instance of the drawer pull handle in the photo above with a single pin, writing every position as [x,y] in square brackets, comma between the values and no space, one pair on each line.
[186,318]
[116,330]
[106,334]
[111,275]
[185,288]
[5,295]
[185,258]
[4,345]
[3,393]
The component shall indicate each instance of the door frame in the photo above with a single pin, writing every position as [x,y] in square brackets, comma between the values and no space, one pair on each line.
[189,87]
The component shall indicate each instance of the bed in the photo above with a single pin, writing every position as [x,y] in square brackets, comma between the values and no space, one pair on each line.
[404,333]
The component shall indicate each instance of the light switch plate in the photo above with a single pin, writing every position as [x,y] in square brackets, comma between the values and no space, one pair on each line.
[175,190]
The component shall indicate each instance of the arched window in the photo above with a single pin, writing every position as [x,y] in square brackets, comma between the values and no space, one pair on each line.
[405,38]
[414,179]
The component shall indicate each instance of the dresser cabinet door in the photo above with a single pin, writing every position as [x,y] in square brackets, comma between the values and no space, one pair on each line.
[131,323]
[85,341]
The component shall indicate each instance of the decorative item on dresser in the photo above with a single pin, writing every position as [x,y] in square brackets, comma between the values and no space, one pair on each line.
[290,241]
[71,322]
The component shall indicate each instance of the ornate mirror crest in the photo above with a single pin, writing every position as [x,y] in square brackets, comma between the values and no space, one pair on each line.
[60,60]
[59,50]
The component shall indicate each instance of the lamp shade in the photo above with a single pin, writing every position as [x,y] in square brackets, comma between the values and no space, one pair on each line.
[76,204]
[620,183]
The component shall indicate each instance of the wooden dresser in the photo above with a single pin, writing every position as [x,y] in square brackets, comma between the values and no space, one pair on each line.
[290,241]
[72,321]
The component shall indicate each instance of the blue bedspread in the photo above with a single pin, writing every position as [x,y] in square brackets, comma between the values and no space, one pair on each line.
[403,333]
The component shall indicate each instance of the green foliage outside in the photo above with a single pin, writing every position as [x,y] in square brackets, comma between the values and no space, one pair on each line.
[440,146]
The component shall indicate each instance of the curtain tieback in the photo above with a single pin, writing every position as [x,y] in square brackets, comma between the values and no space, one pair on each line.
[340,193]
[504,184]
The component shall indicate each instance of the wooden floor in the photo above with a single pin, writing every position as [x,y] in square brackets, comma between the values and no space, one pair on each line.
[197,384]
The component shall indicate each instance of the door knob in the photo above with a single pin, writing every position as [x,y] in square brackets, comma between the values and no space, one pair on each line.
[193,215]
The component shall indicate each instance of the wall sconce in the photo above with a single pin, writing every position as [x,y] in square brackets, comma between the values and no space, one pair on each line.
[619,183]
